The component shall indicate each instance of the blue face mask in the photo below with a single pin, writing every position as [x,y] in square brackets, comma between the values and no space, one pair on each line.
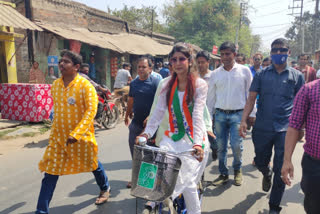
[279,59]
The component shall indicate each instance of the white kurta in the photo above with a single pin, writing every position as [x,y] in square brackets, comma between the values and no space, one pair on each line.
[191,169]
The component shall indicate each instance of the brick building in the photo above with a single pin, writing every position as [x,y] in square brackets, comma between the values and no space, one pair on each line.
[10,23]
[72,25]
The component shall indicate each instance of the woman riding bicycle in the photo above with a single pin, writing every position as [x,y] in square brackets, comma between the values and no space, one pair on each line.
[184,96]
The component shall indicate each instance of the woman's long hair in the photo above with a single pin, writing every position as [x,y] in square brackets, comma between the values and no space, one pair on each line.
[187,52]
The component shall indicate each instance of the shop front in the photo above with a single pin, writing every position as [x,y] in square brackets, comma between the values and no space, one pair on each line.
[10,19]
[16,100]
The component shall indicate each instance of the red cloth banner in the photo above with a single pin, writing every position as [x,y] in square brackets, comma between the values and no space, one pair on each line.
[75,46]
[25,102]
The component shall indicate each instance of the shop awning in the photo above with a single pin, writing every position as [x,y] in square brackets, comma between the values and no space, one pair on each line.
[80,34]
[137,44]
[122,43]
[9,17]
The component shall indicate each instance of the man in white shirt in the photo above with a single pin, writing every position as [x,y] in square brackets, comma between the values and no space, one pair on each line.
[318,74]
[228,90]
[202,59]
[123,79]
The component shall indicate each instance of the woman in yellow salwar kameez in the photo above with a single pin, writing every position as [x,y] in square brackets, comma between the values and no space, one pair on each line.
[72,145]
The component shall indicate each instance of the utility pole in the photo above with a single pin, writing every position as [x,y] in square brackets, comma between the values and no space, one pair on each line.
[296,6]
[243,14]
[315,20]
[152,20]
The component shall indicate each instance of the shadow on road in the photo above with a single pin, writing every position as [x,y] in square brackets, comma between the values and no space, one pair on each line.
[118,165]
[241,207]
[12,208]
[40,144]
[292,195]
[91,188]
[109,207]
[216,191]
[69,208]
[246,170]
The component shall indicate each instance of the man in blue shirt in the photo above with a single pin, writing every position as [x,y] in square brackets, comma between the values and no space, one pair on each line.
[141,94]
[277,86]
[92,68]
[165,72]
[257,60]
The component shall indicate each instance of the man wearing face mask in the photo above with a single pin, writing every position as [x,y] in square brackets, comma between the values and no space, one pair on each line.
[277,86]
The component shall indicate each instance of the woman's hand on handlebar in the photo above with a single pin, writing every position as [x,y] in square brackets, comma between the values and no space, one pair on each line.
[199,153]
[141,135]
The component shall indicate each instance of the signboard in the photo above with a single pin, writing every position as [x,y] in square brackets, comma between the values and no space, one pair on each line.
[214,50]
[53,71]
[147,175]
[114,66]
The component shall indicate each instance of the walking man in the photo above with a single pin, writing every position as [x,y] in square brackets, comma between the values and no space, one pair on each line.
[306,110]
[72,145]
[141,94]
[277,86]
[257,61]
[309,72]
[228,89]
[122,80]
[202,59]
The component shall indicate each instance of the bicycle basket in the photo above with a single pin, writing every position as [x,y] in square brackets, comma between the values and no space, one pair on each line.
[154,174]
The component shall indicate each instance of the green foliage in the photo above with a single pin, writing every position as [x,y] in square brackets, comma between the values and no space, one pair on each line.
[209,22]
[201,22]
[293,34]
[139,17]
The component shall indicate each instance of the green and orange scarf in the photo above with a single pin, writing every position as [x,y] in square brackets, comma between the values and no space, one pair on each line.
[180,121]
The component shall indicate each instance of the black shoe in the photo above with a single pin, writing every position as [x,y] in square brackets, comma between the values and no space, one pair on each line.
[214,154]
[266,182]
[274,212]
[222,179]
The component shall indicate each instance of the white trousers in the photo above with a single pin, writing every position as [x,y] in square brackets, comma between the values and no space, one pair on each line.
[190,172]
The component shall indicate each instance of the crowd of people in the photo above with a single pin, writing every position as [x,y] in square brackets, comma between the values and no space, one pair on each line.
[188,106]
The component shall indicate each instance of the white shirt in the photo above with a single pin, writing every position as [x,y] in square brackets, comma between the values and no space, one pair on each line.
[229,90]
[207,76]
[199,128]
[318,74]
[121,78]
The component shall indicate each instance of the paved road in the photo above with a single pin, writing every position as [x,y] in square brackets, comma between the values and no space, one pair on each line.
[20,183]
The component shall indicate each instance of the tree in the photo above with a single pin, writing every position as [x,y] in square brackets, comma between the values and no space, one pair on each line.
[293,34]
[139,17]
[201,22]
[207,23]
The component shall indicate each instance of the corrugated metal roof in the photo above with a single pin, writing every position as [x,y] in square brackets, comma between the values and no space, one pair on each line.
[9,17]
[80,34]
[122,43]
[136,44]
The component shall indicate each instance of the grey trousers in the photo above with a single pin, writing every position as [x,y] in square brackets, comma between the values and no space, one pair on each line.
[134,131]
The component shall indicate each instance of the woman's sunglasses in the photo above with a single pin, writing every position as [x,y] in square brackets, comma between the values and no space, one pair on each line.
[176,59]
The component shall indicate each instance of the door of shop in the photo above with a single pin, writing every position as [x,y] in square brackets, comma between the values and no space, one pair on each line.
[3,64]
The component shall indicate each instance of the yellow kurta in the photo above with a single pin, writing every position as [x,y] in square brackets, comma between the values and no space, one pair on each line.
[74,110]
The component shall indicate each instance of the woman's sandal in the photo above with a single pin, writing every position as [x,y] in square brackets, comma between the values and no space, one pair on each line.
[103,197]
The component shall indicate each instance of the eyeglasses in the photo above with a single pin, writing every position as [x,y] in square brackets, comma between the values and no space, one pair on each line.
[275,50]
[257,59]
[176,59]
